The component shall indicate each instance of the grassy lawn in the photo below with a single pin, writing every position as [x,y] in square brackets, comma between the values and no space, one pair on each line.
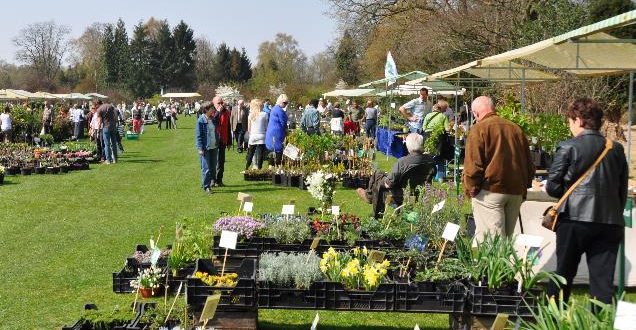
[63,235]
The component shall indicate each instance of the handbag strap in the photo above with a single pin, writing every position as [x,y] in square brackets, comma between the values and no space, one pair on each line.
[608,145]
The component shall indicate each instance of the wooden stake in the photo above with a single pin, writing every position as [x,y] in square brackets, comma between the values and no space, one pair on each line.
[135,302]
[165,300]
[174,302]
[406,267]
[224,260]
[441,253]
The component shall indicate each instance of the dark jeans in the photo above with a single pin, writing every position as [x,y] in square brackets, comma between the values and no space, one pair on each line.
[110,143]
[168,123]
[208,167]
[257,150]
[220,165]
[78,129]
[159,122]
[600,243]
[239,135]
[370,127]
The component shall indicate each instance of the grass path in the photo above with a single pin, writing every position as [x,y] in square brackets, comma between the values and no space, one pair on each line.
[61,236]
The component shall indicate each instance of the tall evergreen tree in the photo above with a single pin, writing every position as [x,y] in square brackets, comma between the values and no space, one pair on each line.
[162,60]
[347,60]
[184,57]
[122,57]
[245,73]
[222,70]
[140,81]
[235,65]
[109,59]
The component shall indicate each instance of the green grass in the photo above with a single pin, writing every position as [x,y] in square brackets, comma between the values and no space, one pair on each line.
[62,236]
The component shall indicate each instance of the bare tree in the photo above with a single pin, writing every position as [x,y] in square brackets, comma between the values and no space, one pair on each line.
[43,46]
[89,51]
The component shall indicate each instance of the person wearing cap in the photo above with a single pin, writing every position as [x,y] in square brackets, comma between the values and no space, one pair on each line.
[277,128]
[207,144]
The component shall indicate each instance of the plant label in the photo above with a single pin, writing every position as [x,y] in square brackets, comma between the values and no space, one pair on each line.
[291,151]
[438,207]
[417,327]
[314,243]
[248,206]
[154,256]
[376,256]
[288,209]
[393,105]
[314,324]
[625,316]
[351,153]
[336,124]
[228,239]
[152,244]
[243,197]
[209,309]
[335,210]
[529,240]
[450,232]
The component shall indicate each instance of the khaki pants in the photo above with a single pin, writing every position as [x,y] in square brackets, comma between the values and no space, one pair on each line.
[495,213]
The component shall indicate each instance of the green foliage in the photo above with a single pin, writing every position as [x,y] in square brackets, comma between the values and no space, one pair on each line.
[449,269]
[577,314]
[140,80]
[287,231]
[192,241]
[347,60]
[155,318]
[106,319]
[431,145]
[290,269]
[547,19]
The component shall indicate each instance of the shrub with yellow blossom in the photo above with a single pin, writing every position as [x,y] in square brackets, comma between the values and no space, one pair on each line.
[353,269]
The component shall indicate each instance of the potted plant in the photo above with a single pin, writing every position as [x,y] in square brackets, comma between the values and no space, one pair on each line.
[148,281]
[245,226]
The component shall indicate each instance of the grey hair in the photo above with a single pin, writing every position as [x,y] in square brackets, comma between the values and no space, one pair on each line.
[414,143]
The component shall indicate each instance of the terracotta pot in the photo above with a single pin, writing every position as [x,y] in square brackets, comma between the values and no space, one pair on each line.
[148,292]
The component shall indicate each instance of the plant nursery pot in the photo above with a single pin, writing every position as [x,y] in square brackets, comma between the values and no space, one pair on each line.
[65,168]
[1,178]
[294,181]
[12,170]
[52,170]
[85,166]
[276,179]
[26,170]
[40,170]
[149,292]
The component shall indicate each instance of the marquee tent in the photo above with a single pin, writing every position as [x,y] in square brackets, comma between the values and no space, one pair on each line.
[350,92]
[180,95]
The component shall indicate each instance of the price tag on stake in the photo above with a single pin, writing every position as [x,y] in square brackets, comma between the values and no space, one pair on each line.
[450,231]
[209,309]
[335,210]
[248,206]
[314,243]
[314,324]
[529,240]
[228,239]
[438,207]
[376,256]
[393,105]
[417,327]
[288,209]
[154,256]
[243,197]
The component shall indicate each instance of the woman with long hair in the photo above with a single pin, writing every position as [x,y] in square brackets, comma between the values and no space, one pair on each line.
[256,129]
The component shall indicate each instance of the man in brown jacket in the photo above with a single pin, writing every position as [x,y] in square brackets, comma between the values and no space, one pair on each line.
[497,170]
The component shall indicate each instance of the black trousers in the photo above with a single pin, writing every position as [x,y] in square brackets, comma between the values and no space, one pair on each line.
[600,243]
[239,136]
[257,150]
[220,165]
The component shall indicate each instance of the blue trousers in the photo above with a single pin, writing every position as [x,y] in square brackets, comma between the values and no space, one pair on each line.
[110,143]
[208,167]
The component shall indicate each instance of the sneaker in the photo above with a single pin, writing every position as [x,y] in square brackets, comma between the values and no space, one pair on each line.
[107,162]
[208,191]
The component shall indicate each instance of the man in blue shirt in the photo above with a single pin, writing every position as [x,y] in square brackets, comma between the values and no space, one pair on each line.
[310,121]
[207,143]
[415,110]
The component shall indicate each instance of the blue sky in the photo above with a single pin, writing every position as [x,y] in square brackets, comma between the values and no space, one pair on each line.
[240,23]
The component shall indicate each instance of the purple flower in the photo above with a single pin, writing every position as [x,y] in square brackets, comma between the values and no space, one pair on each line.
[243,225]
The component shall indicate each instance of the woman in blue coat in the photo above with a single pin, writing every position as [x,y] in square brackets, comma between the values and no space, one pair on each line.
[277,128]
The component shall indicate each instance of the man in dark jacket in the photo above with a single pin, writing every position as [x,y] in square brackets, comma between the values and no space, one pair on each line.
[380,182]
[591,219]
[239,124]
[223,129]
[498,170]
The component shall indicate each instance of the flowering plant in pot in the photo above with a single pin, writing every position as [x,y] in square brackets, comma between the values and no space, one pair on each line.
[322,186]
[245,226]
[148,281]
[355,270]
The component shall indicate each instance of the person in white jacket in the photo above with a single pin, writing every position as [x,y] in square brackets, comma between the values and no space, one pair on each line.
[256,129]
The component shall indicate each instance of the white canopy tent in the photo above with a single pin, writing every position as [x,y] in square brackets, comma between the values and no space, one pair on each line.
[180,95]
[349,92]
[97,95]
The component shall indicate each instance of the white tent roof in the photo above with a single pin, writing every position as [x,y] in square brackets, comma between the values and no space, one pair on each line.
[44,95]
[180,95]
[349,92]
[97,95]
[406,90]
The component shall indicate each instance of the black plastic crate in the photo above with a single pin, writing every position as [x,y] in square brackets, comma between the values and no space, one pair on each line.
[242,297]
[430,297]
[485,301]
[272,296]
[254,247]
[121,280]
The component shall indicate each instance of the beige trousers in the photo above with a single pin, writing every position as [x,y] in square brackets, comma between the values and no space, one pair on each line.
[495,213]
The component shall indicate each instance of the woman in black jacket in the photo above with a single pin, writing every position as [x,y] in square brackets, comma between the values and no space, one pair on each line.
[591,219]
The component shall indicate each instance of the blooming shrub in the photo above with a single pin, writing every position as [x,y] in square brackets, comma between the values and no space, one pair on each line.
[321,186]
[244,225]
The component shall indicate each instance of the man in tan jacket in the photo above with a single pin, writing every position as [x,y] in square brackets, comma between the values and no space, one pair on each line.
[498,170]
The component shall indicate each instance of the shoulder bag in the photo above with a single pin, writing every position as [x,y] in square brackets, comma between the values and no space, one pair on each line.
[551,214]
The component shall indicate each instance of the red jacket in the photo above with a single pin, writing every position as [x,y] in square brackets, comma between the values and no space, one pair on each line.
[223,128]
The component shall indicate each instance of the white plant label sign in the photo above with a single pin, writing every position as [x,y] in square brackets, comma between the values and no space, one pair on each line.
[335,210]
[438,207]
[450,231]
[228,239]
[291,151]
[529,240]
[314,324]
[154,256]
[625,316]
[248,206]
[288,209]
[417,327]
[393,105]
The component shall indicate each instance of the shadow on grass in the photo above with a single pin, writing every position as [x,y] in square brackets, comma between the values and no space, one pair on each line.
[143,161]
[271,326]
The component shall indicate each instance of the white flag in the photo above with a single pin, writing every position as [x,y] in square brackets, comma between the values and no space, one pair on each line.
[390,70]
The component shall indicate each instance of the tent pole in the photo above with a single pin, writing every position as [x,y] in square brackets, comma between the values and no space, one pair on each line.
[523,90]
[472,98]
[456,160]
[621,257]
